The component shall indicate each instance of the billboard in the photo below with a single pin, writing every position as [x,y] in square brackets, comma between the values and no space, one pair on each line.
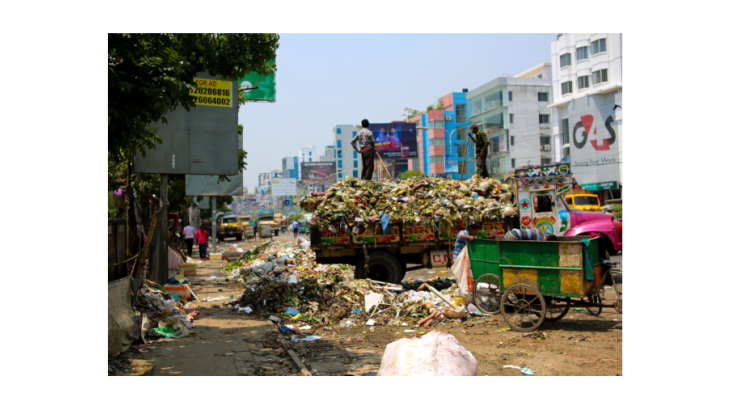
[395,139]
[283,186]
[202,141]
[267,86]
[196,185]
[594,142]
[318,172]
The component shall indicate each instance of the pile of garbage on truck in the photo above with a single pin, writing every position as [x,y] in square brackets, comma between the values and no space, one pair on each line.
[283,282]
[359,203]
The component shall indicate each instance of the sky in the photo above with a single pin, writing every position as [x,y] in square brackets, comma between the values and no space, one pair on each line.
[327,79]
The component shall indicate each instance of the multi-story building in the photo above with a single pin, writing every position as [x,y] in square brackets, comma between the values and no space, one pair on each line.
[329,154]
[586,108]
[515,114]
[290,167]
[347,159]
[442,135]
[306,155]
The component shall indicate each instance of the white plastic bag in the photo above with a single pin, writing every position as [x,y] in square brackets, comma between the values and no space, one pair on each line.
[435,354]
[462,274]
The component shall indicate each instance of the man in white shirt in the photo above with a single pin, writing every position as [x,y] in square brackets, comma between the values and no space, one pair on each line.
[189,233]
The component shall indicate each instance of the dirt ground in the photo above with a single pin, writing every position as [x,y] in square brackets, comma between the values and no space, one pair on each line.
[229,343]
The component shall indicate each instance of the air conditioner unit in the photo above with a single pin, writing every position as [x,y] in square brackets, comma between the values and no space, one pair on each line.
[546,147]
[449,118]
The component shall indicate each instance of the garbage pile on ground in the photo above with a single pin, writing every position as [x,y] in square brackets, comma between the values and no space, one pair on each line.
[435,354]
[163,312]
[359,203]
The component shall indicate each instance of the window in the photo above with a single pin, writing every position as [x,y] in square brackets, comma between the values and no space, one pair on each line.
[511,118]
[310,159]
[581,53]
[510,95]
[437,141]
[339,131]
[512,140]
[436,124]
[544,118]
[566,87]
[460,113]
[354,174]
[461,150]
[566,131]
[354,133]
[495,144]
[513,163]
[310,153]
[463,167]
[339,163]
[544,140]
[437,159]
[354,154]
[570,201]
[598,46]
[354,163]
[339,153]
[600,76]
[539,76]
[542,96]
[339,143]
[461,134]
[545,160]
[416,164]
[583,82]
[543,203]
[565,60]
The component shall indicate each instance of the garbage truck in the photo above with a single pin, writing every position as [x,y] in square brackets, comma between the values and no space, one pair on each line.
[384,256]
[270,219]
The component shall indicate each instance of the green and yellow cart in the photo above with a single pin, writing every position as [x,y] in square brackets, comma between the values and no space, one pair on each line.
[530,282]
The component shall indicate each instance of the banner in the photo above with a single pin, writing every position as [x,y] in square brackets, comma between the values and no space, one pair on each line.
[267,86]
[318,172]
[451,164]
[395,139]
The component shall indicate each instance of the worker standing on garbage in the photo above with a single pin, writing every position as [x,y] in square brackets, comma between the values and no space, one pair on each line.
[462,239]
[367,150]
[202,238]
[189,233]
[482,143]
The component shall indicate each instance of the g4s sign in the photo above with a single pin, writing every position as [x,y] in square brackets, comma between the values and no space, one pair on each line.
[586,122]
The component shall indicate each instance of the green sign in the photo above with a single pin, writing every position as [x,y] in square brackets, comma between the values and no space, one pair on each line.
[601,186]
[267,86]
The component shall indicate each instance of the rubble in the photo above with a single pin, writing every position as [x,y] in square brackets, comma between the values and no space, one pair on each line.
[358,203]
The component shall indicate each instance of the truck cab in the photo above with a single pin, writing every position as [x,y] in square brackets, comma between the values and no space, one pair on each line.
[230,225]
[583,200]
[269,219]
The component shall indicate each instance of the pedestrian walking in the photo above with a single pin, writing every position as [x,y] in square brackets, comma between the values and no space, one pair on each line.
[462,239]
[367,150]
[202,238]
[295,229]
[189,233]
[482,144]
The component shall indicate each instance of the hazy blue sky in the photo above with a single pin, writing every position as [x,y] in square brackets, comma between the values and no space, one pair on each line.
[329,79]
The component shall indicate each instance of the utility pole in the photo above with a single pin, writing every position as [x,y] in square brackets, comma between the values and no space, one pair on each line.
[213,223]
[160,267]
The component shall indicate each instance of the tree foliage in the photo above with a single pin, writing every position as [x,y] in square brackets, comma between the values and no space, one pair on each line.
[410,174]
[410,112]
[149,75]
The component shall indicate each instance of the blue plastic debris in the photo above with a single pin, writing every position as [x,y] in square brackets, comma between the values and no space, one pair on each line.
[356,310]
[291,311]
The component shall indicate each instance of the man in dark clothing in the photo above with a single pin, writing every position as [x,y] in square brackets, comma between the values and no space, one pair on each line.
[367,150]
[482,143]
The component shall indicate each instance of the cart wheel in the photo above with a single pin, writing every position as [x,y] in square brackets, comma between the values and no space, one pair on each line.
[487,296]
[526,307]
[556,313]
[617,306]
[596,299]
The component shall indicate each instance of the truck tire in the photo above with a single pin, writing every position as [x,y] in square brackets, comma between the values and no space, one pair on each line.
[239,237]
[382,266]
[608,245]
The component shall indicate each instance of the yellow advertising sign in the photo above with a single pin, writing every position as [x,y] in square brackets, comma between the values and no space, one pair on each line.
[212,92]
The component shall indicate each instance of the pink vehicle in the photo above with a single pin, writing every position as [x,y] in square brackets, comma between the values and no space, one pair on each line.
[540,202]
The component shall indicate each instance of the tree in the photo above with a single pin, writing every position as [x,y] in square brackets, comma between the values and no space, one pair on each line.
[410,112]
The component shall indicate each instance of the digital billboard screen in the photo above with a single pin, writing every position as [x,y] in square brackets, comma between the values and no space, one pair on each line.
[318,172]
[395,139]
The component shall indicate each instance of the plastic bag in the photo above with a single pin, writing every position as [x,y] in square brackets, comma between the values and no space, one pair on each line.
[462,274]
[435,354]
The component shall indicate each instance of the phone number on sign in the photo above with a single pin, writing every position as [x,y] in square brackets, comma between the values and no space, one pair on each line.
[212,91]
[212,101]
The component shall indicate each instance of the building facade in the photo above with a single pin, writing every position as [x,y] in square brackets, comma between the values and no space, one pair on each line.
[586,126]
[306,155]
[347,159]
[290,167]
[515,113]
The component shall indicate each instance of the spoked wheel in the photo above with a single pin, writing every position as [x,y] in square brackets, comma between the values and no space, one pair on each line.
[553,314]
[523,307]
[596,299]
[487,296]
[617,306]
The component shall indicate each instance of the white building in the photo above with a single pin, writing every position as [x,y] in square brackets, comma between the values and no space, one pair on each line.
[587,76]
[347,159]
[306,155]
[515,111]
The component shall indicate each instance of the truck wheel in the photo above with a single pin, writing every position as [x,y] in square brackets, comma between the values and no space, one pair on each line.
[239,237]
[382,266]
[608,245]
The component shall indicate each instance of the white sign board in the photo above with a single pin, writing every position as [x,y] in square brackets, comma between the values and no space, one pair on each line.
[594,150]
[283,186]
